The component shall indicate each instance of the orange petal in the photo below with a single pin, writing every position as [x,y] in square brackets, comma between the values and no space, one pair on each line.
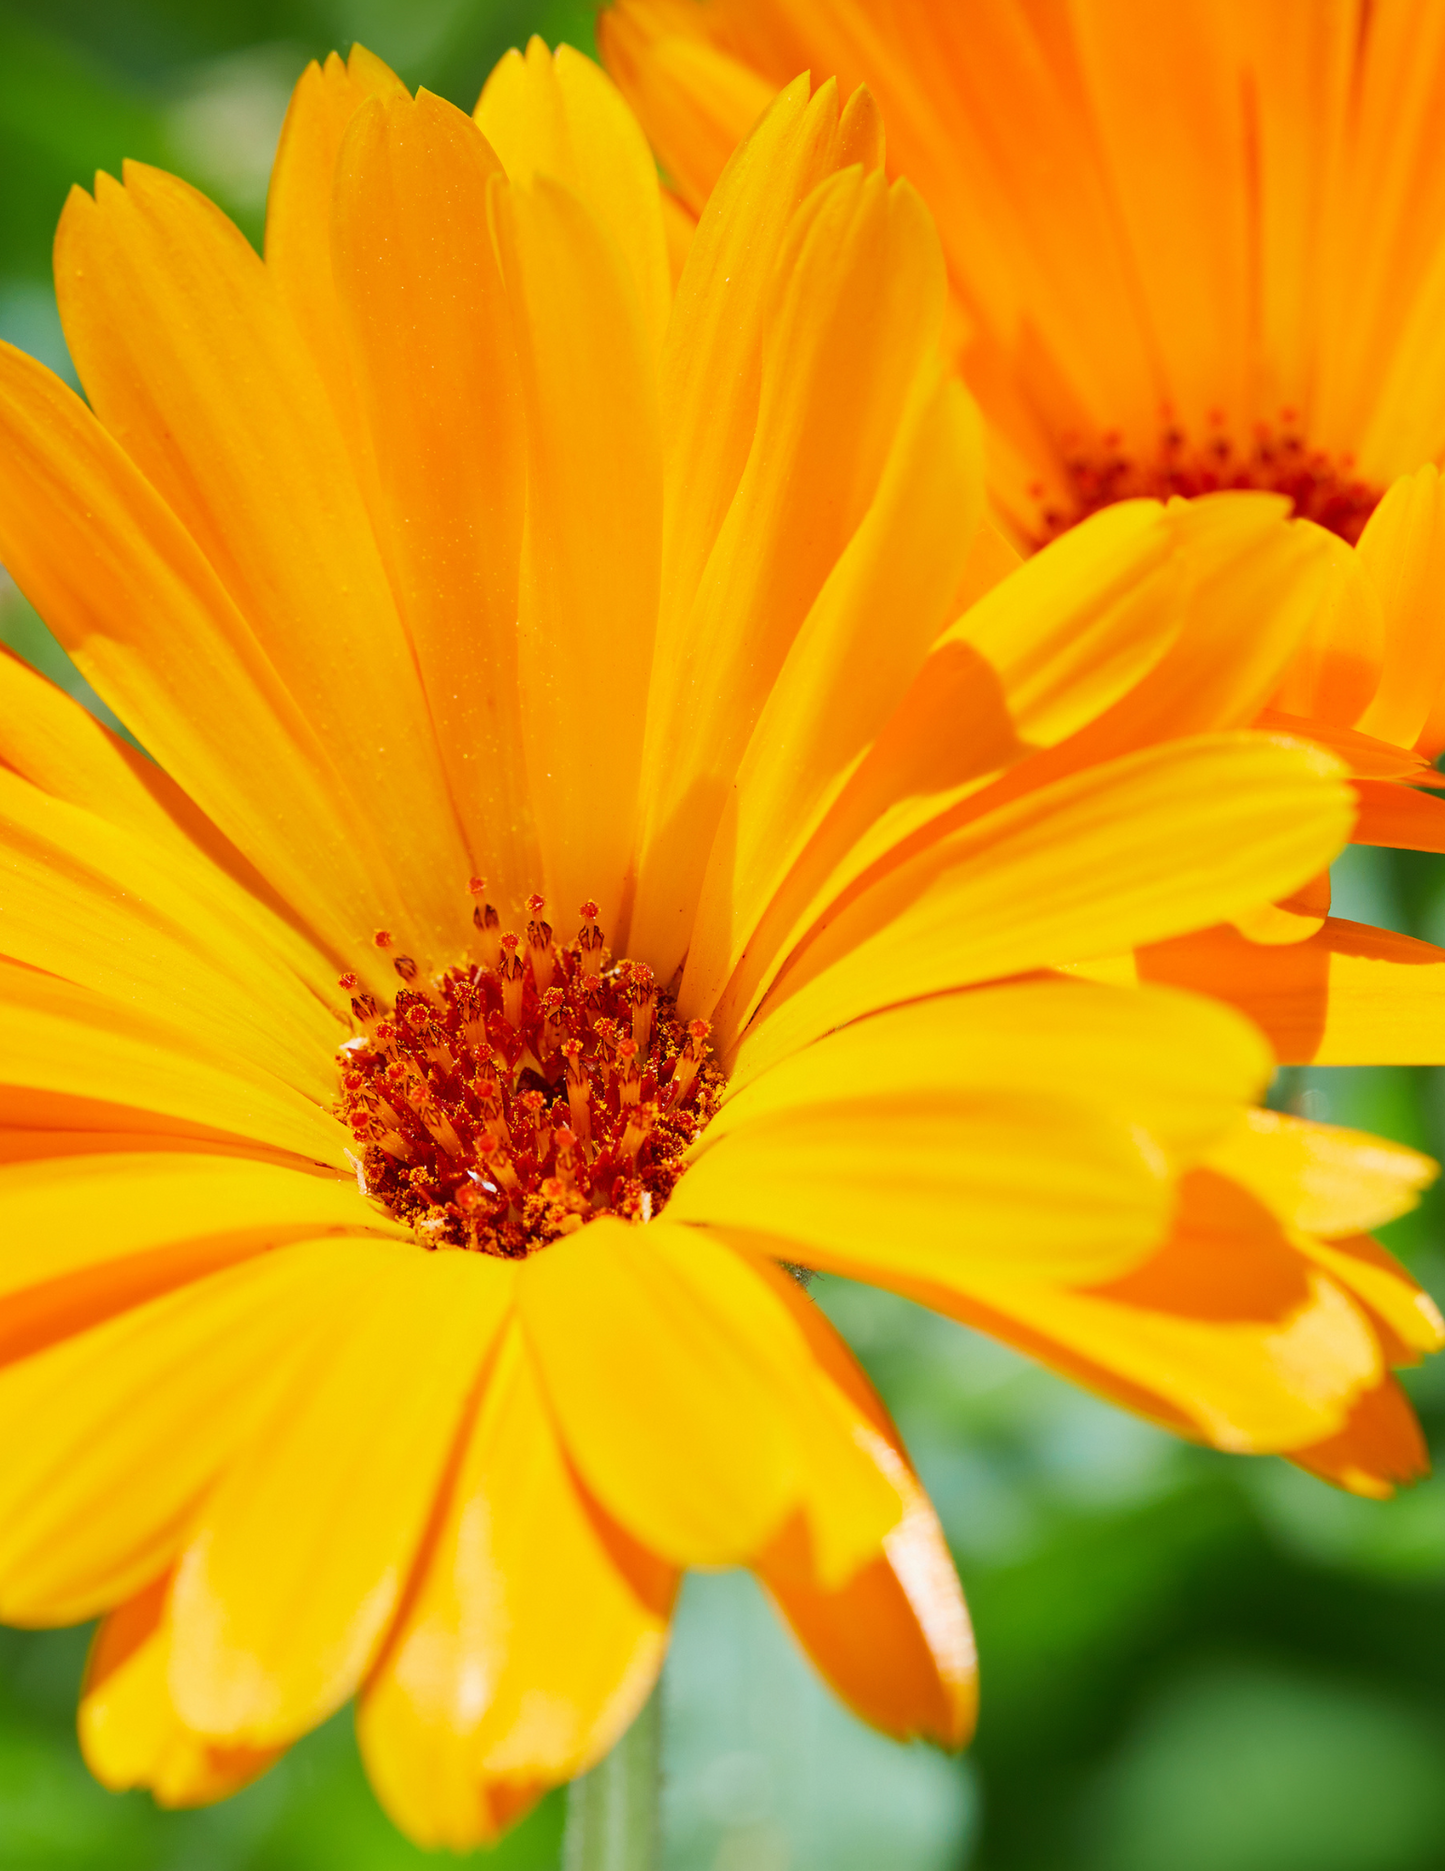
[895,1640]
[1396,815]
[1366,758]
[697,102]
[1381,1446]
[1227,1334]
[532,1638]
[1351,995]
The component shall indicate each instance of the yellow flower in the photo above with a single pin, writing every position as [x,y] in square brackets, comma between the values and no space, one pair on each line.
[1192,246]
[392,1299]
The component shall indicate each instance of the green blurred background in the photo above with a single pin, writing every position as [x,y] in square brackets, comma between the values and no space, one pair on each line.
[1190,1663]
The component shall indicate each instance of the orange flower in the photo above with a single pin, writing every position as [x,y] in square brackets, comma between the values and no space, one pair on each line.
[391,1293]
[1190,247]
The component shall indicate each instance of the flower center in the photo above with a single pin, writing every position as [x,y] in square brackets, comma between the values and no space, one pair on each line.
[507,1102]
[1323,487]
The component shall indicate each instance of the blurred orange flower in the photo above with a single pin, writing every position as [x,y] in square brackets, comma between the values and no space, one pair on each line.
[1190,247]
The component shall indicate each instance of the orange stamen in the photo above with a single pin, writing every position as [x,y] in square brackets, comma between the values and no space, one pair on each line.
[496,1109]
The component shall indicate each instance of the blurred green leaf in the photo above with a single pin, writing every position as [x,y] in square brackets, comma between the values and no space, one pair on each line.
[62,116]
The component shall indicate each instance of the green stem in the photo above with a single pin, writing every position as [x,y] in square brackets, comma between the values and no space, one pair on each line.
[612,1812]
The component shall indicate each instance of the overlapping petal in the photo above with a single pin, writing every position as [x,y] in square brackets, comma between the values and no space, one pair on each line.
[534,1634]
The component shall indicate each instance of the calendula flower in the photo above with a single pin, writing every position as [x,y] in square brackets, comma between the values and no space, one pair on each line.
[1189,248]
[392,1291]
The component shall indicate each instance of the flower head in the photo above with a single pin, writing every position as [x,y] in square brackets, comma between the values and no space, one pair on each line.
[1189,248]
[584,866]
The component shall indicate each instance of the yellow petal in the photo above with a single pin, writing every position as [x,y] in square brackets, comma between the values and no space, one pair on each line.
[422,300]
[1351,995]
[558,115]
[297,1561]
[724,303]
[60,747]
[1174,836]
[1266,1387]
[1319,1178]
[189,356]
[1246,587]
[1336,668]
[949,737]
[113,1436]
[908,1144]
[1403,551]
[107,909]
[857,312]
[588,603]
[1410,1318]
[1082,622]
[129,1732]
[90,1235]
[484,1680]
[299,206]
[128,593]
[849,667]
[88,1051]
[1142,624]
[688,1399]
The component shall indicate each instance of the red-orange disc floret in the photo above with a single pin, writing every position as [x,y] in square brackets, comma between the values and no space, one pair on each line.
[1322,488]
[509,1101]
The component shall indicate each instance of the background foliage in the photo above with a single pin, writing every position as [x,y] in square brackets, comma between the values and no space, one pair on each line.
[1189,1662]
